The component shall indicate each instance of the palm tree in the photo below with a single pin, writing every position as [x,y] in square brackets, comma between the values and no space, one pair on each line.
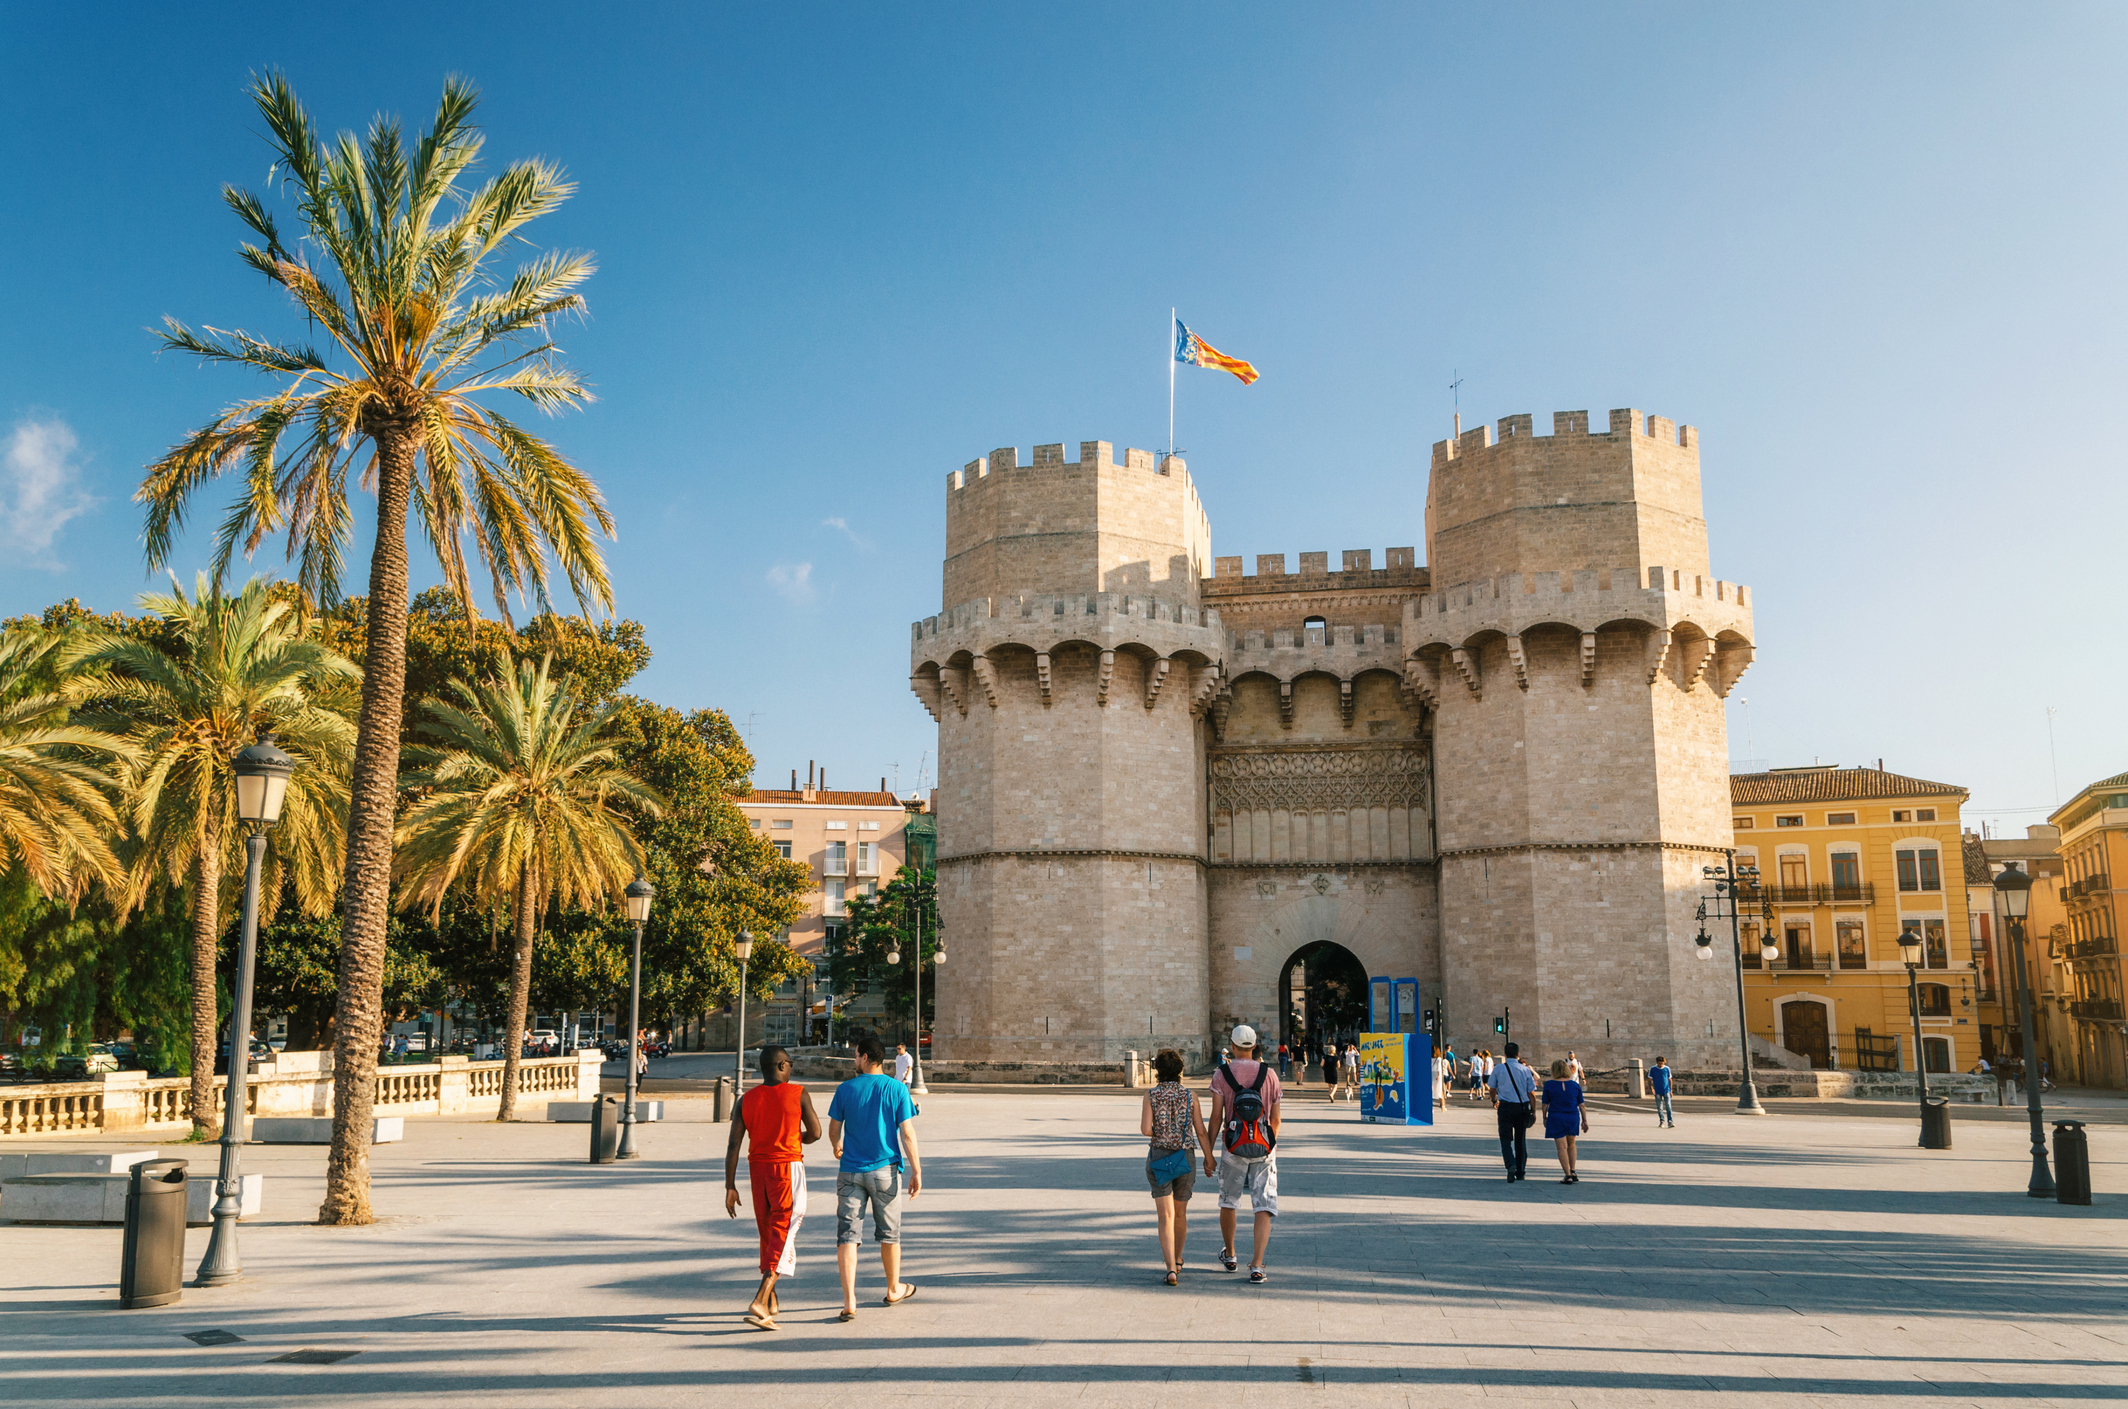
[56,814]
[246,669]
[517,804]
[390,261]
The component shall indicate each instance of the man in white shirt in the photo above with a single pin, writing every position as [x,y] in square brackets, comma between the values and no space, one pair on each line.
[1574,1069]
[903,1063]
[1514,1093]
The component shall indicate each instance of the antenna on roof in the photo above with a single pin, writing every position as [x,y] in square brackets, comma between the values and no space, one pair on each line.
[1455,394]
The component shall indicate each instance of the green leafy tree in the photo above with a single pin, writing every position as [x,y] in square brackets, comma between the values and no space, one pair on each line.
[57,816]
[517,802]
[884,924]
[95,970]
[243,668]
[298,972]
[714,876]
[390,259]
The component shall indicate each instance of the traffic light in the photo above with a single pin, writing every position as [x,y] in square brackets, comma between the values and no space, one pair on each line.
[1499,1025]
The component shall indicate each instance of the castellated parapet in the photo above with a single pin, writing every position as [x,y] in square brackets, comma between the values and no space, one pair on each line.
[1168,787]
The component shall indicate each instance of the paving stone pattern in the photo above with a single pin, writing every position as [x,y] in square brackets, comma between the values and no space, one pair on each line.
[1793,1260]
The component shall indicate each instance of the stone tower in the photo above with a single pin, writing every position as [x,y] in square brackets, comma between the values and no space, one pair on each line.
[1576,651]
[1070,672]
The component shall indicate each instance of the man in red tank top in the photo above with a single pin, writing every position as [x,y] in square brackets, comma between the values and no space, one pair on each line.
[778,1118]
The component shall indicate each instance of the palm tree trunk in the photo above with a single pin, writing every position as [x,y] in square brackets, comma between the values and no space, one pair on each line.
[520,993]
[206,946]
[365,896]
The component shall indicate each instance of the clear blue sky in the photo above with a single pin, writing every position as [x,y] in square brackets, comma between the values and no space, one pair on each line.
[1874,252]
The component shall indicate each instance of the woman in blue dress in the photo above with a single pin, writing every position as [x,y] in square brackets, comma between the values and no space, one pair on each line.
[1562,1118]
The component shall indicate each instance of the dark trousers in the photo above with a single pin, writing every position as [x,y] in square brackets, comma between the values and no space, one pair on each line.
[1514,1134]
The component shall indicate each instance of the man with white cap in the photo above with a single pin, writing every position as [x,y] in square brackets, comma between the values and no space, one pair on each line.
[1245,1096]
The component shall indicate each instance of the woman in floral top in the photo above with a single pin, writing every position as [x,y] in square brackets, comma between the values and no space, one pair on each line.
[1168,1117]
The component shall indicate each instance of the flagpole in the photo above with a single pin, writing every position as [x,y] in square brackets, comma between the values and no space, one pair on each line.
[1171,321]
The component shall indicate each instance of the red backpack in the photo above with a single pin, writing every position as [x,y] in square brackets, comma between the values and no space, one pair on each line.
[1248,1134]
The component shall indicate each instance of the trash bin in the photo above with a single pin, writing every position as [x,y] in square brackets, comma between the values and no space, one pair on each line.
[151,1261]
[1935,1122]
[605,1129]
[2072,1163]
[720,1102]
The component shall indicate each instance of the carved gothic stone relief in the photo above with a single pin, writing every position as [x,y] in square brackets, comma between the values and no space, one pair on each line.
[1321,803]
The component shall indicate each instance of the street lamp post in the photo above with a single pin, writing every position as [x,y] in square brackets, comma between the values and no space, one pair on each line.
[1727,880]
[639,893]
[1910,955]
[916,1044]
[745,950]
[262,773]
[2013,889]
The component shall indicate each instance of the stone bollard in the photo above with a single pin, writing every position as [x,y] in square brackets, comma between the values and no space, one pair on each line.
[1133,1072]
[1636,1081]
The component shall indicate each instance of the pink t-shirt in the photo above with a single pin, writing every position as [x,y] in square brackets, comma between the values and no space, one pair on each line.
[1245,1072]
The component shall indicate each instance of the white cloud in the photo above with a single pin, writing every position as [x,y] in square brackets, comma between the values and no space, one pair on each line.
[39,487]
[842,526]
[793,580]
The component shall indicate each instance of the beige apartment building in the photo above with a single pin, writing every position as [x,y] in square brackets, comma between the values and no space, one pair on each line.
[855,843]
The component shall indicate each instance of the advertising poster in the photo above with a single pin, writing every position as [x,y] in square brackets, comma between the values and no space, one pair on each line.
[1392,1090]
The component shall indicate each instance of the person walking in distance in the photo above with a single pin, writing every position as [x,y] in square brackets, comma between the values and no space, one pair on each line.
[1245,1096]
[903,1063]
[1285,1061]
[1574,1069]
[1348,1069]
[1441,1067]
[1169,1119]
[1565,1117]
[1659,1083]
[777,1117]
[1514,1092]
[872,1129]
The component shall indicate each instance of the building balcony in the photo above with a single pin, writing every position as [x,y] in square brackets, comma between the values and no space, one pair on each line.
[2097,1009]
[1863,894]
[2099,884]
[2094,948]
[835,868]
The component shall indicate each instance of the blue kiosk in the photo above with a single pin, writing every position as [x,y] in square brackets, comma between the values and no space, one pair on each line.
[1396,1056]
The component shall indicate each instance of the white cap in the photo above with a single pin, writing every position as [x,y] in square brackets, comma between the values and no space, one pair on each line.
[1244,1036]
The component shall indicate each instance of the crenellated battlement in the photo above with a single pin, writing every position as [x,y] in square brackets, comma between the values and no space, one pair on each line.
[1314,574]
[1626,423]
[1093,454]
[1067,612]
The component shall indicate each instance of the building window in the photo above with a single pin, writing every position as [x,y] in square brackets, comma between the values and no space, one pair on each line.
[838,859]
[1795,878]
[1314,623]
[1854,951]
[1788,820]
[1741,824]
[1926,814]
[1750,940]
[1920,869]
[838,826]
[867,826]
[1935,1000]
[835,904]
[780,824]
[783,849]
[1846,875]
[867,857]
[1902,816]
[754,822]
[871,887]
[1935,947]
[1936,1054]
[1839,819]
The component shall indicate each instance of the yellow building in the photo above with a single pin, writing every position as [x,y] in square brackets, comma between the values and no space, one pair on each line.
[2085,1018]
[1848,859]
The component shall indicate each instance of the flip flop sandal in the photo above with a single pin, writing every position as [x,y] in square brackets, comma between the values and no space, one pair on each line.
[761,1323]
[898,1300]
[1173,1280]
[846,1316]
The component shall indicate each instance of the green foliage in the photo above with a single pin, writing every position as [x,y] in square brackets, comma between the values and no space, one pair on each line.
[880,925]
[714,876]
[57,817]
[297,974]
[86,967]
[443,644]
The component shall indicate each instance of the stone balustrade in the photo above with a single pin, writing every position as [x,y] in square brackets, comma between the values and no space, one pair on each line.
[294,1084]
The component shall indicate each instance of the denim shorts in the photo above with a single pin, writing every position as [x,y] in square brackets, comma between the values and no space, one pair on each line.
[879,1189]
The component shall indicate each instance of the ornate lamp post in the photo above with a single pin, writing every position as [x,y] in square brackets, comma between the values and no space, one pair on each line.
[916,1043]
[262,773]
[745,950]
[2013,894]
[1910,955]
[1727,881]
[639,893]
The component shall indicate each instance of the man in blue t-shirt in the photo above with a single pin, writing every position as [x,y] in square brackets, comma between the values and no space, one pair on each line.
[1659,1083]
[871,1125]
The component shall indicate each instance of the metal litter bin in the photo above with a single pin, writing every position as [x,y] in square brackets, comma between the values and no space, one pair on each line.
[605,1129]
[2072,1163]
[720,1102]
[1935,1123]
[151,1261]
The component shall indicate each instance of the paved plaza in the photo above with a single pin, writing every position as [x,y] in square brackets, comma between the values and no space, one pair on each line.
[1797,1259]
